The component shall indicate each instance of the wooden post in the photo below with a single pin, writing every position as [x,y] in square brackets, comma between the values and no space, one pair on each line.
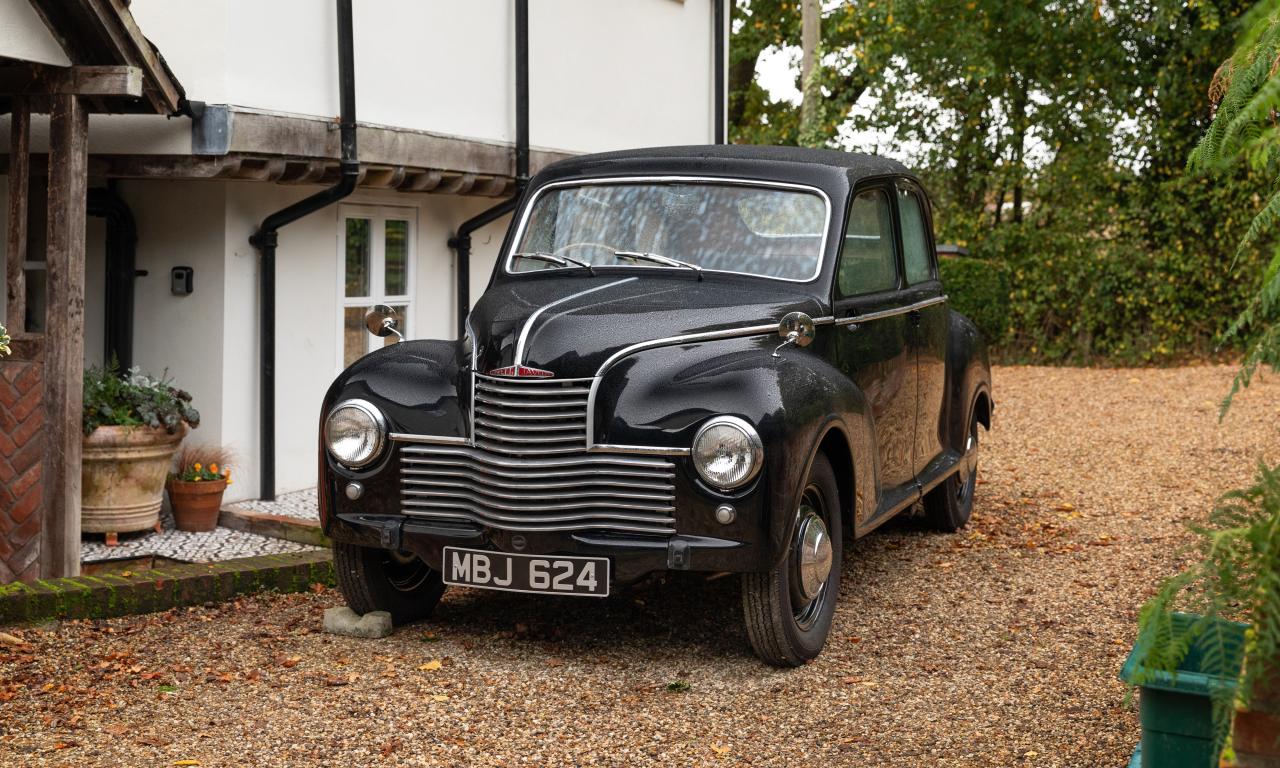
[19,186]
[64,333]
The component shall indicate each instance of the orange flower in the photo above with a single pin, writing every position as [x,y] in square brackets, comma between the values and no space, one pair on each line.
[213,468]
[196,466]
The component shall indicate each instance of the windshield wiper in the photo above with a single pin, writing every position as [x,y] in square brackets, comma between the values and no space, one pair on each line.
[551,258]
[657,258]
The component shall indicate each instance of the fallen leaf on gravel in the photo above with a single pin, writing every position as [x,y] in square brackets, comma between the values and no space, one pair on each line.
[430,666]
[290,661]
[8,639]
[336,680]
[186,762]
[719,749]
[154,741]
[117,729]
[555,663]
[439,697]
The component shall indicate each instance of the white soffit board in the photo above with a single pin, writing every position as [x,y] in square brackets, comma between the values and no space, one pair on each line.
[24,36]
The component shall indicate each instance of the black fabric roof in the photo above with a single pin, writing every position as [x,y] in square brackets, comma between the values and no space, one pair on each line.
[857,163]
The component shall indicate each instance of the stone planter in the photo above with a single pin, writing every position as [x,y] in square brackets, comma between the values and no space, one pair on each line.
[196,504]
[122,476]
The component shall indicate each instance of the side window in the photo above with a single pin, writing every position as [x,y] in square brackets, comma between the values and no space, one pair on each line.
[867,262]
[915,240]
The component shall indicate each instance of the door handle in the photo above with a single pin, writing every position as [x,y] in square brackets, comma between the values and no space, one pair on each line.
[915,316]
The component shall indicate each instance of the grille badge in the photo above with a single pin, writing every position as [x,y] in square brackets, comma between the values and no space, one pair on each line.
[521,371]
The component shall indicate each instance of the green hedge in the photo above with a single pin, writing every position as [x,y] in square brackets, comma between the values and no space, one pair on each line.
[979,289]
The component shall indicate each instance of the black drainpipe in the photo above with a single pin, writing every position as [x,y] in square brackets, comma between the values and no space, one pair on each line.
[265,241]
[121,247]
[718,35]
[461,242]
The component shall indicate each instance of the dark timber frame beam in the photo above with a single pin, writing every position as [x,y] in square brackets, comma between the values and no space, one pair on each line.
[64,333]
[19,184]
[35,79]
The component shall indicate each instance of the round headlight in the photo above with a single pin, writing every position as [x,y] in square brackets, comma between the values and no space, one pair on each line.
[727,452]
[354,432]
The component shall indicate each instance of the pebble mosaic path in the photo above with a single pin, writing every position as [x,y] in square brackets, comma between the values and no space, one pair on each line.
[214,546]
[301,504]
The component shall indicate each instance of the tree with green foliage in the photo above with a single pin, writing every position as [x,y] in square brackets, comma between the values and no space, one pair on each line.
[1052,141]
[1245,131]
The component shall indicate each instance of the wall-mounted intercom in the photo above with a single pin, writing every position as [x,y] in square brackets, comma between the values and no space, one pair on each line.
[180,282]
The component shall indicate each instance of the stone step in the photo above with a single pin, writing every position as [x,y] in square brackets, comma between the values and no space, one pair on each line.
[297,529]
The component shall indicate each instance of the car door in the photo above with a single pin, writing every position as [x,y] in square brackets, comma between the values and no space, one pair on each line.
[927,327]
[871,342]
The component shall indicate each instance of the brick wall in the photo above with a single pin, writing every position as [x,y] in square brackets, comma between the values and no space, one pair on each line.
[22,448]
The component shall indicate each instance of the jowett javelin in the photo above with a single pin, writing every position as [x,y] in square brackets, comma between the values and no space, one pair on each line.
[718,359]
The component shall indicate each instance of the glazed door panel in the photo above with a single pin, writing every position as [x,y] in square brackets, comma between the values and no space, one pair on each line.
[872,343]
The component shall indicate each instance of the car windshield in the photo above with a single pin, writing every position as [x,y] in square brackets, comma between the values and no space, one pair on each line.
[756,230]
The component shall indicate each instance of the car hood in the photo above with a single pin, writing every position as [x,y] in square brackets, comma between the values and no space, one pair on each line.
[571,325]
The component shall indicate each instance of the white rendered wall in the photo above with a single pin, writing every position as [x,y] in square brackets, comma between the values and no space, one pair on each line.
[180,224]
[603,75]
[23,35]
[308,313]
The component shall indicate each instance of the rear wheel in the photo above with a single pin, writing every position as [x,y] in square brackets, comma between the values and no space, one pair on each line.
[381,580]
[949,505]
[789,609]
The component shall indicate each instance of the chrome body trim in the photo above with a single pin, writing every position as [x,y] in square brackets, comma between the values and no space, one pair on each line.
[717,180]
[528,324]
[882,314]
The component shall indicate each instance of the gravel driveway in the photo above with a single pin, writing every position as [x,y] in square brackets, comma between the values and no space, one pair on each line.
[997,646]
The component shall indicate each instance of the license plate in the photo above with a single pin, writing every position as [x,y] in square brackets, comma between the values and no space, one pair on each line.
[558,575]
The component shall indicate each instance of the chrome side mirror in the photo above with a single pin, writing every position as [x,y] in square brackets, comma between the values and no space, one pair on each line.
[381,321]
[795,328]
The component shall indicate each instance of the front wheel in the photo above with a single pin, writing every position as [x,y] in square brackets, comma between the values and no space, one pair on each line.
[381,580]
[789,609]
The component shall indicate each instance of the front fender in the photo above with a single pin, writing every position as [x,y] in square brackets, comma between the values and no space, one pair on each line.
[421,389]
[797,402]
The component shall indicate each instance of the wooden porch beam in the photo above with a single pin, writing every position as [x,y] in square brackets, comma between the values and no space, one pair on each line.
[64,333]
[36,79]
[19,187]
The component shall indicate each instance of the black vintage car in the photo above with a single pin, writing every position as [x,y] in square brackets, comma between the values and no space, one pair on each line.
[717,359]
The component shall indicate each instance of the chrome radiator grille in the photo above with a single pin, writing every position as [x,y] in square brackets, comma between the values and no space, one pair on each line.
[531,417]
[529,469]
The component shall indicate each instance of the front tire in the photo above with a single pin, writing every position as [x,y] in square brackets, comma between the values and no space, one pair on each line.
[789,609]
[949,505]
[380,580]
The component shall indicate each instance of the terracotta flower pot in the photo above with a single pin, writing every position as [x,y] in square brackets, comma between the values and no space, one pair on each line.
[122,476]
[196,503]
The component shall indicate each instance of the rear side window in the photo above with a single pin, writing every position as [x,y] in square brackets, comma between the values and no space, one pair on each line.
[915,239]
[867,262]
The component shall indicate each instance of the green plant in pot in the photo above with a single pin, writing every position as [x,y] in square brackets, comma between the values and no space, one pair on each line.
[1235,666]
[1207,653]
[133,424]
[196,488]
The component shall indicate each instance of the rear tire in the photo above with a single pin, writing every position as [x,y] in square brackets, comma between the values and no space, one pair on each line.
[789,609]
[380,580]
[949,505]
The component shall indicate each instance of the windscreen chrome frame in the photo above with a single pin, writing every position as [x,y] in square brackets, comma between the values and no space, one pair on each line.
[507,261]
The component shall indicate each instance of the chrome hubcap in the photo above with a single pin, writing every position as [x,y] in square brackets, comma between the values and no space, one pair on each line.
[813,555]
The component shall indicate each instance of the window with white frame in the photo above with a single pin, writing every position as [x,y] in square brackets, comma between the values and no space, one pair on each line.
[376,267]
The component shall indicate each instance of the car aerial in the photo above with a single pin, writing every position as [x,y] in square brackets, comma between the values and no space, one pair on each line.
[715,359]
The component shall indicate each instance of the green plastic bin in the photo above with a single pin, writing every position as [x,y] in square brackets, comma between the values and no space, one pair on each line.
[1175,709]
